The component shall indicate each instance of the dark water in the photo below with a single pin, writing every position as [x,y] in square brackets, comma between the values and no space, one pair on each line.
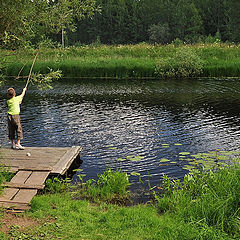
[115,119]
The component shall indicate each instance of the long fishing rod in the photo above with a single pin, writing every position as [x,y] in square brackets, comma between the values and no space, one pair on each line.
[30,72]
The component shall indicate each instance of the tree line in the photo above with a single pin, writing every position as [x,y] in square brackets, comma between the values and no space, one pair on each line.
[161,21]
[74,22]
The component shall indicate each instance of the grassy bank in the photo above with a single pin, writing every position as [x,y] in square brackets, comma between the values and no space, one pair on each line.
[128,61]
[206,205]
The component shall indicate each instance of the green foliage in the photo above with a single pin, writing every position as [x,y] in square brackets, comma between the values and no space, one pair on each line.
[56,185]
[185,63]
[206,199]
[177,42]
[129,61]
[43,81]
[109,186]
[5,176]
[159,33]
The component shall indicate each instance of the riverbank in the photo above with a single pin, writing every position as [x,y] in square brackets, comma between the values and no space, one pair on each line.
[127,61]
[204,206]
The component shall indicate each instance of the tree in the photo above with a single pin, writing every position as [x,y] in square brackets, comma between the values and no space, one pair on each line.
[159,33]
[62,15]
[23,21]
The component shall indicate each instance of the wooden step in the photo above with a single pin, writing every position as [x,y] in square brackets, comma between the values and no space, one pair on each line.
[24,186]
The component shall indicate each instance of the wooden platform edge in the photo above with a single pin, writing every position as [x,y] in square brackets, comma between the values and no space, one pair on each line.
[24,186]
[66,160]
[15,206]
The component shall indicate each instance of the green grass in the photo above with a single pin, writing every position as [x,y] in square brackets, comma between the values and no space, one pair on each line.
[73,219]
[204,206]
[124,61]
[206,199]
[5,176]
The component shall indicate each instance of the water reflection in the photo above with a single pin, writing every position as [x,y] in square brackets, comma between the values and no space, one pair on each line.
[135,117]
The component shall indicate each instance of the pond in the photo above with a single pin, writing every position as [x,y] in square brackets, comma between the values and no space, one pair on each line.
[131,124]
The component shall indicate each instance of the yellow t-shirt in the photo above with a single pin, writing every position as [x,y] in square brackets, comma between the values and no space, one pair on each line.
[14,105]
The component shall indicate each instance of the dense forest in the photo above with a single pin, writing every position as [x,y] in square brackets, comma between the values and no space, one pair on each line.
[76,22]
[161,21]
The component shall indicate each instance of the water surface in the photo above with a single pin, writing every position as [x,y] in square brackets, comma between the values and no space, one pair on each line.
[114,119]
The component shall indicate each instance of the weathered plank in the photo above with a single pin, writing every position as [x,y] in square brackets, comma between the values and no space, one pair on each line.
[21,177]
[66,160]
[17,206]
[35,168]
[8,194]
[58,160]
[37,177]
[25,195]
[23,186]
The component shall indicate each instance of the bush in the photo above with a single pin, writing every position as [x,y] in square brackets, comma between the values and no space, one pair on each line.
[185,63]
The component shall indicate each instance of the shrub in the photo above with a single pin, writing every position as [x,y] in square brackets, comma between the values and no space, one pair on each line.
[177,42]
[185,63]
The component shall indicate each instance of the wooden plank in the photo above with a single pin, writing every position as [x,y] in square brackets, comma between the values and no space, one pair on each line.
[35,168]
[13,202]
[37,178]
[17,163]
[8,194]
[21,206]
[25,195]
[32,159]
[66,160]
[23,186]
[21,177]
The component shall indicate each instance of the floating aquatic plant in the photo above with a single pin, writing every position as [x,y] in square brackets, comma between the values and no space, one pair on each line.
[135,174]
[184,153]
[163,160]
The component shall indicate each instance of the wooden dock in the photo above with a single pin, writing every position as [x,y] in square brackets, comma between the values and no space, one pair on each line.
[32,166]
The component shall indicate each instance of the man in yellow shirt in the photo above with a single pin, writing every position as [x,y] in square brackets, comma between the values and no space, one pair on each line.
[14,121]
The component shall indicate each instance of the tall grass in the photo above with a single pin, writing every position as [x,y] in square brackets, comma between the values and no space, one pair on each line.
[208,200]
[111,186]
[123,61]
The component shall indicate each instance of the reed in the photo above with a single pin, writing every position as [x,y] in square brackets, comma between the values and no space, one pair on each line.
[124,61]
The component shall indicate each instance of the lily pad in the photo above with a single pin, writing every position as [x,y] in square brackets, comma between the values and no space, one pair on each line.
[112,148]
[177,144]
[184,153]
[135,174]
[135,158]
[173,162]
[121,159]
[164,160]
